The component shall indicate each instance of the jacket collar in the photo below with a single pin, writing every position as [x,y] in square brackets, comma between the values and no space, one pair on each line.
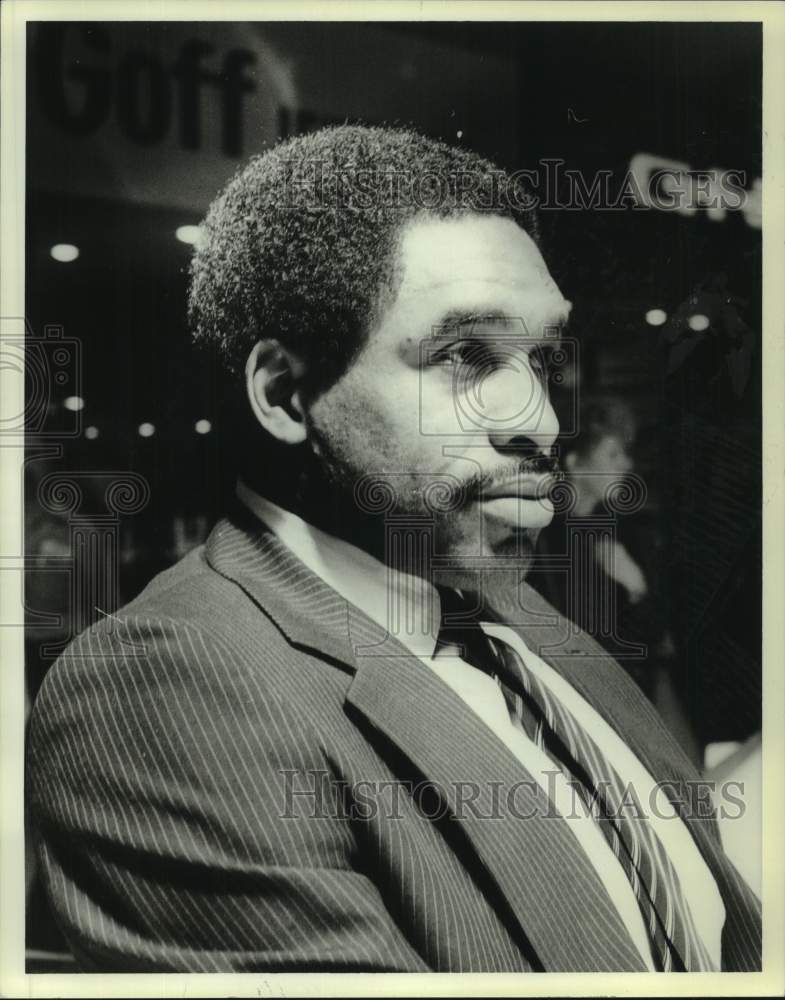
[309,613]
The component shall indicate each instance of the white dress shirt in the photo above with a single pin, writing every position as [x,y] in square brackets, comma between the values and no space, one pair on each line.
[366,582]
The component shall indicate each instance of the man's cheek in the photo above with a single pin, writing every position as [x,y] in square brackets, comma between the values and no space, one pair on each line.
[441,412]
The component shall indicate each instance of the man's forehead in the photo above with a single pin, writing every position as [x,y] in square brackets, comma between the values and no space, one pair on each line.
[441,255]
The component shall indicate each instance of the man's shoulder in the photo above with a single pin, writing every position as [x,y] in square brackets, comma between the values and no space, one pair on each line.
[190,590]
[191,652]
[187,622]
[194,594]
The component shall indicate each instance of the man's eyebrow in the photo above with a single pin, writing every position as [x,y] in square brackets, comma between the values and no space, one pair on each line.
[455,319]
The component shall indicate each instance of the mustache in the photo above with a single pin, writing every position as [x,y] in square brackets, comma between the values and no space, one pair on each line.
[535,465]
[442,494]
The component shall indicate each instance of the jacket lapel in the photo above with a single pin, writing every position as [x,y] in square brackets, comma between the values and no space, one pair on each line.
[526,851]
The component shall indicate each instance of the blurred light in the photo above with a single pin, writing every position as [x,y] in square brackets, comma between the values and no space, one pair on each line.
[203,426]
[188,234]
[146,430]
[64,252]
[656,317]
[73,403]
[698,322]
[91,433]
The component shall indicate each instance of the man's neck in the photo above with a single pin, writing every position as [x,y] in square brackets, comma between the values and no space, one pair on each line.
[323,504]
[397,598]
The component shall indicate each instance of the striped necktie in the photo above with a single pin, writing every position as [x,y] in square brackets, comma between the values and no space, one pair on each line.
[677,945]
[460,629]
[655,882]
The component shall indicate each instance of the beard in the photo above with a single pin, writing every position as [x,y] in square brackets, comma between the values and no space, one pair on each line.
[425,524]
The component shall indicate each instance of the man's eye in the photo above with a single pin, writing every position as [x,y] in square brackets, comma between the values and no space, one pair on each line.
[465,353]
[478,357]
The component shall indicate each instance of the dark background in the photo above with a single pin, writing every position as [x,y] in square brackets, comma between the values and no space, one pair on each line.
[592,95]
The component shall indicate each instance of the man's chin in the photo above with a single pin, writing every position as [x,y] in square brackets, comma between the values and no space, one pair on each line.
[470,560]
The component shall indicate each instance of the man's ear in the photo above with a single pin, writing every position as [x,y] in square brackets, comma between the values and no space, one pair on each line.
[272,377]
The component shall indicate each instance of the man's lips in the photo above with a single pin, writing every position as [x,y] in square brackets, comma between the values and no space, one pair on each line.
[529,486]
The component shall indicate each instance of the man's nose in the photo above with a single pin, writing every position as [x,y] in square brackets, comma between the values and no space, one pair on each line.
[528,422]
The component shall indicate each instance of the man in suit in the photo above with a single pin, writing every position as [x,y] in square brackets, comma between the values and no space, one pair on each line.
[344,735]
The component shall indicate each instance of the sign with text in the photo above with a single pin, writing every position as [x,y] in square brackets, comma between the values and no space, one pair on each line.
[164,113]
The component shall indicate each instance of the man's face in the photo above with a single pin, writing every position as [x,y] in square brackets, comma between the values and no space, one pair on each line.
[447,404]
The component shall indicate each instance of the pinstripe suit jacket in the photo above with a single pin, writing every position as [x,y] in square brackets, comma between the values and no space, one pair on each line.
[220,781]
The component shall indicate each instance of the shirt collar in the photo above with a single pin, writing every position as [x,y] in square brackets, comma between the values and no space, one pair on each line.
[407,606]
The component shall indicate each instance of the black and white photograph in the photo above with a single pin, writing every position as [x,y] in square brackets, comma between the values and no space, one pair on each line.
[393,498]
